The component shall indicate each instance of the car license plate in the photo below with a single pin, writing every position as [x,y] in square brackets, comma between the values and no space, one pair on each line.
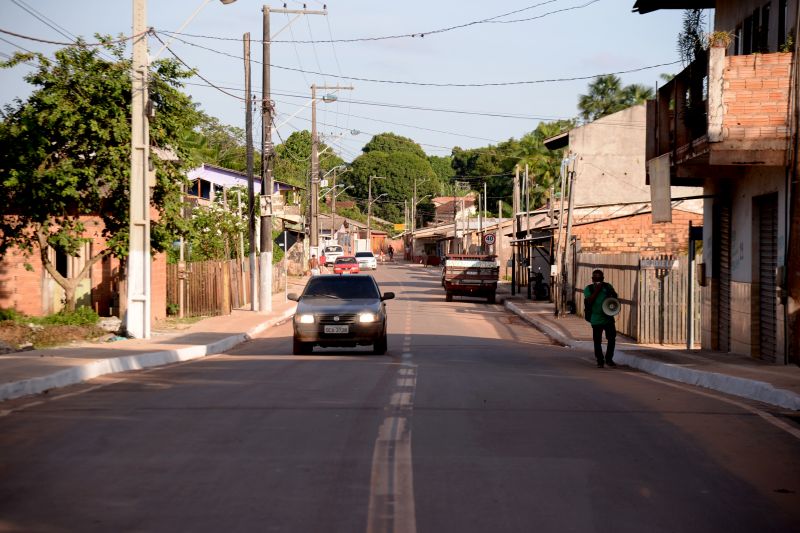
[337,329]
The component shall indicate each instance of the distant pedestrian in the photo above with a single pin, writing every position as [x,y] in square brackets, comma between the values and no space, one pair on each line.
[391,253]
[313,265]
[595,294]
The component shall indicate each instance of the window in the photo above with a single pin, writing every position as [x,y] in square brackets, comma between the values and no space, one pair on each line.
[763,30]
[738,40]
[200,189]
[783,12]
[747,36]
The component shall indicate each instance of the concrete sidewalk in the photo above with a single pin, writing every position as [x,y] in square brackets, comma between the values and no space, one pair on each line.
[737,375]
[36,371]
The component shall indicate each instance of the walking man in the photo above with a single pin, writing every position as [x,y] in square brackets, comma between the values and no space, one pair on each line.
[595,294]
[313,265]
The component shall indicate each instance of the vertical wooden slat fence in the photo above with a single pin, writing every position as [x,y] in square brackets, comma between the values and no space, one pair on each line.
[208,287]
[653,311]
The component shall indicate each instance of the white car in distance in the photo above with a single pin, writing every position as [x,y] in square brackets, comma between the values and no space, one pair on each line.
[366,260]
[332,253]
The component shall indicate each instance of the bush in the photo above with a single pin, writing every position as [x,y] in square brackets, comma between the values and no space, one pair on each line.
[172,309]
[10,314]
[82,316]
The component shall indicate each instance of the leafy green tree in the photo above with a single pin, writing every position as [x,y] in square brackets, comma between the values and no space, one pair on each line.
[218,144]
[495,165]
[400,163]
[390,142]
[293,159]
[66,155]
[607,95]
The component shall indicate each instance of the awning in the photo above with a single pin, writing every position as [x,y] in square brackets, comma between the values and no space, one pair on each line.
[557,141]
[646,6]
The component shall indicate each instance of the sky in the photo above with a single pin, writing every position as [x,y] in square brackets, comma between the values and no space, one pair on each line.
[539,41]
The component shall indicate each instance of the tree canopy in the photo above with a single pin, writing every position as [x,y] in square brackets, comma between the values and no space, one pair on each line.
[607,95]
[293,159]
[66,155]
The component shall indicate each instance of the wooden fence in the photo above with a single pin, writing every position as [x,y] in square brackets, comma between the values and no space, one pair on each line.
[216,287]
[654,301]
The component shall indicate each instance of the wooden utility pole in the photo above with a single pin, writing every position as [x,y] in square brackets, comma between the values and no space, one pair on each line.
[268,156]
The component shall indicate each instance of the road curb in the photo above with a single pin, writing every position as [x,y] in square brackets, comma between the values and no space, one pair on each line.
[100,367]
[742,387]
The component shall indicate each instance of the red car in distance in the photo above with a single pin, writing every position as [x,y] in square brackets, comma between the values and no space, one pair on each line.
[346,265]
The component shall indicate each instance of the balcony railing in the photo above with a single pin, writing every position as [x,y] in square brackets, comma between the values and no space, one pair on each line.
[723,110]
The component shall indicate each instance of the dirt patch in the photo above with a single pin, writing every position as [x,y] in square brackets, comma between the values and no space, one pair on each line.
[19,336]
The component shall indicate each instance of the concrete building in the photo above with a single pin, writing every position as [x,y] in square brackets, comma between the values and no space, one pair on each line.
[738,140]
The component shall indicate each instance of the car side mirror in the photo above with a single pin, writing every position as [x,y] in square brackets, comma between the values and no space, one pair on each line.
[293,296]
[387,296]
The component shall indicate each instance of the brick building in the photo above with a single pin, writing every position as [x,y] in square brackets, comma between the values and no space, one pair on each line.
[738,140]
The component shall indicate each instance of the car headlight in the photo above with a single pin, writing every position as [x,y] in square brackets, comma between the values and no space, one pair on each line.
[305,319]
[367,317]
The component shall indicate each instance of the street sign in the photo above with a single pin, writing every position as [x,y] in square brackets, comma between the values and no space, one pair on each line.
[489,239]
[660,264]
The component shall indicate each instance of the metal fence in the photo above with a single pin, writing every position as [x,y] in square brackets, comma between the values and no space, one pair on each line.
[654,298]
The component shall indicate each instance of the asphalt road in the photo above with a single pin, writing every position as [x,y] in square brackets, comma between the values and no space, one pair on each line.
[472,422]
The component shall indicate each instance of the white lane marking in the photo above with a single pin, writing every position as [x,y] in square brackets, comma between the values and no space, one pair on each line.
[391,498]
[766,416]
[407,355]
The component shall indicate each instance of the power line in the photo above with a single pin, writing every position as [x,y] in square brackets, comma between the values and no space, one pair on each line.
[78,43]
[436,84]
[421,34]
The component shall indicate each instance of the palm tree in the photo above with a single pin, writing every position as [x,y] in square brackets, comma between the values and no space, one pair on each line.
[607,96]
[603,99]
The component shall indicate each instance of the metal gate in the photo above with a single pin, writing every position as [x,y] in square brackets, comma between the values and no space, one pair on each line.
[723,275]
[654,300]
[767,220]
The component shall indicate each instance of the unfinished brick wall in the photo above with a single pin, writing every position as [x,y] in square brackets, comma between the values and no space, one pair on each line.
[638,234]
[755,96]
[20,288]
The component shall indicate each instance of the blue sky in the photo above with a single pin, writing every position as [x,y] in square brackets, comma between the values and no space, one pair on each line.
[593,38]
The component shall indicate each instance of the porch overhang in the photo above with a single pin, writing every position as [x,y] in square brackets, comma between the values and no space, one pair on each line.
[647,6]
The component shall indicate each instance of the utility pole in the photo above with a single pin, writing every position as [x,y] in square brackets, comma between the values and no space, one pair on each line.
[369,207]
[251,194]
[314,189]
[137,316]
[516,228]
[267,186]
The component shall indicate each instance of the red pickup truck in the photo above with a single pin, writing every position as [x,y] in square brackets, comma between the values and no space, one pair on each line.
[470,275]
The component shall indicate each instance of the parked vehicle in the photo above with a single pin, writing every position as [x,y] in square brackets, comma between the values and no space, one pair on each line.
[367,260]
[470,275]
[331,253]
[346,265]
[340,311]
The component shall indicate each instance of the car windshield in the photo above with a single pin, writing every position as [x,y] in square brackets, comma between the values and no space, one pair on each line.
[342,287]
[346,260]
[365,254]
[333,249]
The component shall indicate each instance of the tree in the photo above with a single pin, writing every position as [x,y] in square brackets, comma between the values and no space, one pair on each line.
[390,142]
[495,165]
[218,144]
[66,155]
[400,168]
[607,95]
[293,159]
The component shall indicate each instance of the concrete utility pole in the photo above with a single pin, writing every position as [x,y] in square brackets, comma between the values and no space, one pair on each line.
[516,228]
[251,193]
[137,317]
[314,189]
[369,207]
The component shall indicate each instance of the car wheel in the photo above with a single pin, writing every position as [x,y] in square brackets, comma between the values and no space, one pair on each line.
[302,348]
[448,297]
[491,298]
[381,345]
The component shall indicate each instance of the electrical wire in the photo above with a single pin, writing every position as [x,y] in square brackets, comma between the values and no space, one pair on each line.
[423,34]
[436,84]
[101,43]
